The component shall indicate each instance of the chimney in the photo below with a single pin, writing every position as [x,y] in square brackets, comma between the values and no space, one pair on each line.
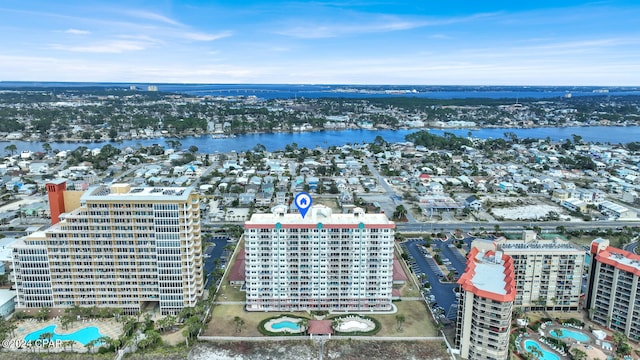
[55,191]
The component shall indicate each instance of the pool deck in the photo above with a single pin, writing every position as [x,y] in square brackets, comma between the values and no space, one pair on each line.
[106,327]
[345,323]
[547,329]
[269,327]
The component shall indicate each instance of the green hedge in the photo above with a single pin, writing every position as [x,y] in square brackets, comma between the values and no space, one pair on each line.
[266,332]
[374,331]
[557,342]
[574,321]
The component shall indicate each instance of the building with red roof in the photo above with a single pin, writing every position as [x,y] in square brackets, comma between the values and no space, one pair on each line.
[488,290]
[237,274]
[399,276]
[613,293]
[320,327]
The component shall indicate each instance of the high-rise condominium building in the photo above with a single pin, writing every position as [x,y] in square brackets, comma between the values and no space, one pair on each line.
[324,261]
[122,247]
[613,295]
[486,302]
[548,273]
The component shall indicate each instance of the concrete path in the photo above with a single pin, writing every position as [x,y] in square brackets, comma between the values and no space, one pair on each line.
[306,338]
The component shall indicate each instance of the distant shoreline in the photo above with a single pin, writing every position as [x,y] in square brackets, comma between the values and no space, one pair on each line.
[28,138]
[326,138]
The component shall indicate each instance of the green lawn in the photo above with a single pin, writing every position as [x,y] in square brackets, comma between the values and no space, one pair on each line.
[230,293]
[222,323]
[222,320]
[417,321]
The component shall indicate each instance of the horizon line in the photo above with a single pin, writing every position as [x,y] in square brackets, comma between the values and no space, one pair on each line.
[305,84]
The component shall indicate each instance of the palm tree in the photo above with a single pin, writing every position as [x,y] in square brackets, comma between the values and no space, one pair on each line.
[239,323]
[46,339]
[534,350]
[104,341]
[43,313]
[618,338]
[68,343]
[336,323]
[66,320]
[577,354]
[303,324]
[400,213]
[399,321]
[90,345]
[557,332]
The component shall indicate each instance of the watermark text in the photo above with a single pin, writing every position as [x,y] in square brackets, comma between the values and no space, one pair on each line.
[39,343]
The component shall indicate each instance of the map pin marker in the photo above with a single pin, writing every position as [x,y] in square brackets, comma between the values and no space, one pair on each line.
[303,203]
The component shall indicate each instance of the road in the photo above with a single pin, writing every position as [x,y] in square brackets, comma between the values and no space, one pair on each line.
[205,173]
[547,226]
[397,200]
[631,247]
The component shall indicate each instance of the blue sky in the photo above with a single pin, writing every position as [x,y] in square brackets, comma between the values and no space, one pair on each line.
[456,42]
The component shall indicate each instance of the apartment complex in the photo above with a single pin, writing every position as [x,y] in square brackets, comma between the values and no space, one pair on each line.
[613,296]
[120,247]
[548,273]
[324,261]
[487,298]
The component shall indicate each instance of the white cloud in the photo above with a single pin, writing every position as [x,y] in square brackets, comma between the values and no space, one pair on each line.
[109,46]
[198,36]
[148,15]
[77,32]
[334,30]
[362,24]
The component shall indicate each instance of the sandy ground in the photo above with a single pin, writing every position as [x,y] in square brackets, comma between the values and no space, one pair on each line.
[24,200]
[526,212]
[256,350]
[333,349]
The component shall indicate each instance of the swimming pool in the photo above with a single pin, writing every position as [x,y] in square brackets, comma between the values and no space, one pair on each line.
[285,324]
[546,355]
[82,336]
[575,335]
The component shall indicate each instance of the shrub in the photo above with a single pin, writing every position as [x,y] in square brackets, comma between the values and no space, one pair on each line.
[534,326]
[574,321]
[558,343]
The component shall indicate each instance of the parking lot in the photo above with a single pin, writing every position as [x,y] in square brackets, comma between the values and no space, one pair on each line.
[441,295]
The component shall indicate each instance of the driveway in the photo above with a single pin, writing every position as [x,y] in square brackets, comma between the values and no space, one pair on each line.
[213,252]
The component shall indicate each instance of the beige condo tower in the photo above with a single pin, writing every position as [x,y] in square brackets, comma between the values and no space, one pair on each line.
[121,247]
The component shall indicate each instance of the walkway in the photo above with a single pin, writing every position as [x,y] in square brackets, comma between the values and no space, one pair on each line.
[229,302]
[305,338]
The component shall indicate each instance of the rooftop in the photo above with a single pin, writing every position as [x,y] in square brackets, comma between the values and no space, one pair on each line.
[126,192]
[317,216]
[320,327]
[557,245]
[6,295]
[621,259]
[489,274]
